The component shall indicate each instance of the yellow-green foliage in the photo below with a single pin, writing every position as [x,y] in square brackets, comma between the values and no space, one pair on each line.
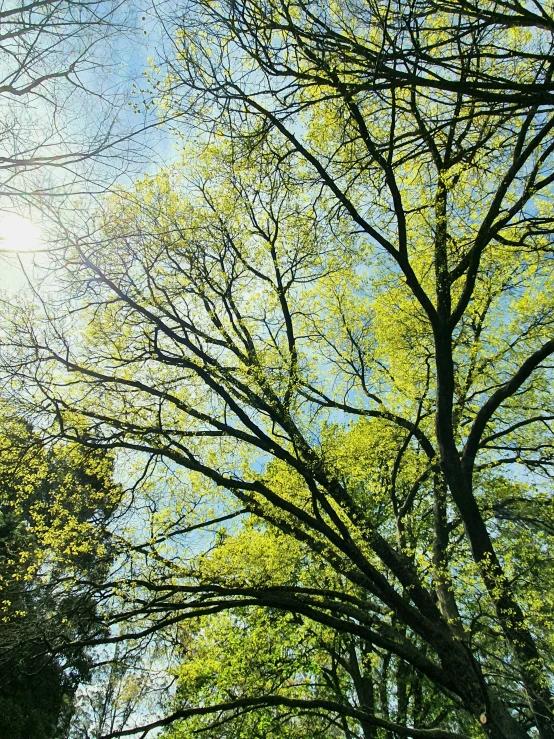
[54,503]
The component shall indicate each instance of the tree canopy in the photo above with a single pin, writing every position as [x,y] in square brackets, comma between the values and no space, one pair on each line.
[327,331]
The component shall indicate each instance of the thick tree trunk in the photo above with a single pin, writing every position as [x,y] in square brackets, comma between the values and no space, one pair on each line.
[508,611]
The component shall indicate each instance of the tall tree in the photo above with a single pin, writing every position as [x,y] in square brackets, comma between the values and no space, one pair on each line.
[341,314]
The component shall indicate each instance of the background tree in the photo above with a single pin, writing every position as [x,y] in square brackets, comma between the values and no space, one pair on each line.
[256,652]
[54,507]
[340,313]
[124,687]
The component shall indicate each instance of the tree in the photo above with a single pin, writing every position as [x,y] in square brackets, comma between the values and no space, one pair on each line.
[340,313]
[54,509]
[260,651]
[123,688]
[247,654]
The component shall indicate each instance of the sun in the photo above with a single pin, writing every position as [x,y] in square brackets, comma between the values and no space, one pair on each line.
[18,234]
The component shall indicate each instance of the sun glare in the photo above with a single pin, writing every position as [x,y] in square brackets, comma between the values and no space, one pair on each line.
[18,233]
